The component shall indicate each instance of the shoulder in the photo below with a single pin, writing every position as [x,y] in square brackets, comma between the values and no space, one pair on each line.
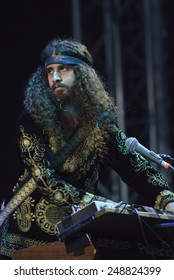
[26,123]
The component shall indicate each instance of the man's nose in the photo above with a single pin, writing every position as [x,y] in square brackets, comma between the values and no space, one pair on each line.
[56,77]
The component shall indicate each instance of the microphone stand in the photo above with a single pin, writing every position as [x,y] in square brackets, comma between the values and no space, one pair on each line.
[166,156]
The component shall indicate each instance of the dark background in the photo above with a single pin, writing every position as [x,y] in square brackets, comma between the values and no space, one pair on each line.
[25,28]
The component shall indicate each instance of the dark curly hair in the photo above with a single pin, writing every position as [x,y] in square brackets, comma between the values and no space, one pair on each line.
[96,105]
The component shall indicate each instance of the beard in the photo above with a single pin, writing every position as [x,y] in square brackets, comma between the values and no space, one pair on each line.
[69,103]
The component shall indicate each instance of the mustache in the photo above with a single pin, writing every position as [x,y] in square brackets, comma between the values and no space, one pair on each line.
[59,84]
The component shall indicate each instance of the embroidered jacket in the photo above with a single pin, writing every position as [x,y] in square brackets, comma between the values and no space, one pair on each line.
[57,180]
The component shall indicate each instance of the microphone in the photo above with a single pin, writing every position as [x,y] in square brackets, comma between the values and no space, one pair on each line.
[133,144]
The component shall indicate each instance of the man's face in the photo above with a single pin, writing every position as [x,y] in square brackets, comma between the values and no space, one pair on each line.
[61,79]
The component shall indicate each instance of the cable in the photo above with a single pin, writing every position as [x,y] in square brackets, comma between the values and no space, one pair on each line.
[141,220]
[142,230]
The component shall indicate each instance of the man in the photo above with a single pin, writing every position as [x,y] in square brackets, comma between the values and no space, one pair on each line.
[67,130]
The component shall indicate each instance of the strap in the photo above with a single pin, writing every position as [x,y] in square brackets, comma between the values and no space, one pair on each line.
[17,199]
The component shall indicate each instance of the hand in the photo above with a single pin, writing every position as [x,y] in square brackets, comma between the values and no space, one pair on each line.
[170,207]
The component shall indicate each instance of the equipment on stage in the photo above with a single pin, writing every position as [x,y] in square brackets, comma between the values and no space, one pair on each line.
[120,231]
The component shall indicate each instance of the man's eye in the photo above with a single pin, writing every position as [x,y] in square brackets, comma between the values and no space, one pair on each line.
[64,68]
[49,71]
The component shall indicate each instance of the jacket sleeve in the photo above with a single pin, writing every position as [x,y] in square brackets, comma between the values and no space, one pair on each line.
[137,172]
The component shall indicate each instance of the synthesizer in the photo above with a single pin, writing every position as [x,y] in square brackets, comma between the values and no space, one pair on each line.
[95,210]
[121,231]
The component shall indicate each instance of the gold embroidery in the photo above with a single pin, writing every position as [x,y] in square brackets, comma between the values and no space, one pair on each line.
[48,215]
[55,143]
[79,157]
[139,163]
[12,242]
[24,215]
[16,200]
[21,180]
[80,154]
[59,194]
[29,143]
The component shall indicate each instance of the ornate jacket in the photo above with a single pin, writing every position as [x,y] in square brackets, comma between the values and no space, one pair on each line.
[52,182]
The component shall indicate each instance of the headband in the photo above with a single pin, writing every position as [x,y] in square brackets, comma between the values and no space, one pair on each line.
[65,59]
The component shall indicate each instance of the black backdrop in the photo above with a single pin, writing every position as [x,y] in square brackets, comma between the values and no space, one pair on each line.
[25,28]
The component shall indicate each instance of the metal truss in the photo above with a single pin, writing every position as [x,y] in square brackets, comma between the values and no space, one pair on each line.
[125,39]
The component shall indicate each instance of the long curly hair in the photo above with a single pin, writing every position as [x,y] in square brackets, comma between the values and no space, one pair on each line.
[97,108]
